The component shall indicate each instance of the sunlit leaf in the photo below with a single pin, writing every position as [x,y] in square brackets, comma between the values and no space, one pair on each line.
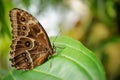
[72,61]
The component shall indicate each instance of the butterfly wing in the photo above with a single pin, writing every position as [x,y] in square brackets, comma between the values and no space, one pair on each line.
[30,44]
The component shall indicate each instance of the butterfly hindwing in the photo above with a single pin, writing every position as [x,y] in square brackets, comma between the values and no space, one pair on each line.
[30,44]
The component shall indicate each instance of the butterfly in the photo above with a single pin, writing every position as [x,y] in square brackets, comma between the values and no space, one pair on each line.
[30,45]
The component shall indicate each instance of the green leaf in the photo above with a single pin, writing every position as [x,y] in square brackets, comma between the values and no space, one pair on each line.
[72,61]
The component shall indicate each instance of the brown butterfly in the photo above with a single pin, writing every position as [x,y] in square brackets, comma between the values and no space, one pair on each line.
[30,43]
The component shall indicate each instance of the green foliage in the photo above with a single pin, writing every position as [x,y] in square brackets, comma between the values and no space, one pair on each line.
[26,2]
[72,61]
[4,29]
[103,11]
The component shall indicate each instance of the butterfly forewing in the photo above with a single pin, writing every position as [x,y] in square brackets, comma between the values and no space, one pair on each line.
[30,44]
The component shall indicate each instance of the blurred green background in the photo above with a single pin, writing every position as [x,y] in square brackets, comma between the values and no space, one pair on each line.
[95,23]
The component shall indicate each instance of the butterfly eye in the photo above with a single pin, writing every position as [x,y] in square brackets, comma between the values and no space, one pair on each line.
[26,60]
[23,54]
[23,27]
[27,43]
[28,64]
[22,19]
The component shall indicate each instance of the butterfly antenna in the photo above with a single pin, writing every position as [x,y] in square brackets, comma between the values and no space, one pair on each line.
[54,47]
[56,36]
